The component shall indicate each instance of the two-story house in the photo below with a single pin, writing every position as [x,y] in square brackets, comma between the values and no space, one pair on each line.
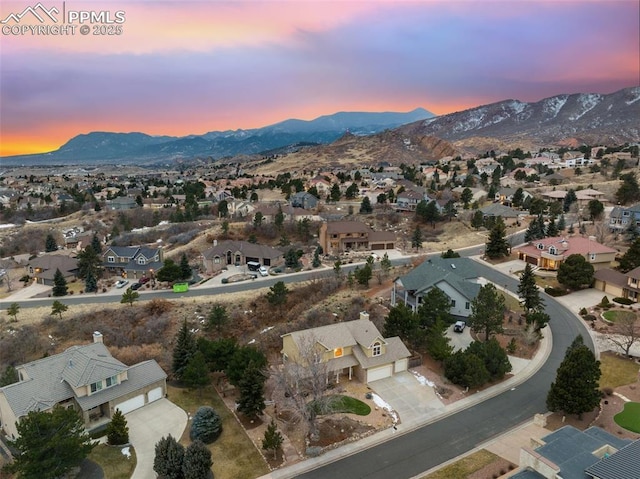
[550,253]
[349,348]
[132,262]
[339,236]
[624,218]
[458,278]
[617,284]
[86,378]
[408,200]
[305,200]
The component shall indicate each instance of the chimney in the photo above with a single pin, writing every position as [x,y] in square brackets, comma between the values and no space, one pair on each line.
[215,242]
[364,315]
[97,337]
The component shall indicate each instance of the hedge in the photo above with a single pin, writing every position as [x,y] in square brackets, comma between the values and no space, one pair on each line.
[623,300]
[555,291]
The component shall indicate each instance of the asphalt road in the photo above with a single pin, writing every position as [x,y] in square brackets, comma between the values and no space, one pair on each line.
[413,453]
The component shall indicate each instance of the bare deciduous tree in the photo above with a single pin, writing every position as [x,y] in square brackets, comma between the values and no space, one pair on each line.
[625,333]
[301,385]
[6,274]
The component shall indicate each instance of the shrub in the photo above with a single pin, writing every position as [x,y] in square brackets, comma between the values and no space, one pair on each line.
[512,346]
[589,317]
[608,391]
[605,302]
[224,280]
[206,426]
[623,301]
[583,312]
[555,291]
[117,430]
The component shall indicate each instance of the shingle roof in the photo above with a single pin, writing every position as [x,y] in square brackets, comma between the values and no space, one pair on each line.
[86,365]
[496,209]
[612,276]
[347,227]
[395,350]
[624,464]
[246,248]
[454,271]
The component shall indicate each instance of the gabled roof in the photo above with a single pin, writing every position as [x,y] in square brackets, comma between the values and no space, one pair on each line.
[244,247]
[623,464]
[496,209]
[347,227]
[566,246]
[614,277]
[47,262]
[87,365]
[454,271]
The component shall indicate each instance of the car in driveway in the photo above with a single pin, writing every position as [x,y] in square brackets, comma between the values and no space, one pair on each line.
[459,326]
[121,283]
[263,271]
[136,286]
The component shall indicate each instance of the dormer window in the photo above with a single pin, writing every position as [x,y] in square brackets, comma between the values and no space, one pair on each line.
[142,260]
[111,259]
[95,387]
[377,349]
[540,246]
[553,250]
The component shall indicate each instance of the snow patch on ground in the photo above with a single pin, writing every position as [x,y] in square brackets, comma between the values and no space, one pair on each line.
[587,102]
[552,106]
[384,405]
[266,329]
[422,380]
[126,452]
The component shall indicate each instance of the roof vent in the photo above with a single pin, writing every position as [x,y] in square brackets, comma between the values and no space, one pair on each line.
[453,266]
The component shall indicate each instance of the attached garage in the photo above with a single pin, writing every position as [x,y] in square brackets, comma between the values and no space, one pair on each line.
[155,394]
[380,372]
[401,365]
[131,404]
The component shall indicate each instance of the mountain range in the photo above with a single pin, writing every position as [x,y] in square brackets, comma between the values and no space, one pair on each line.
[561,120]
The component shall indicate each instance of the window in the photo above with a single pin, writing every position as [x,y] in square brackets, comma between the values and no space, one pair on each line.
[453,303]
[142,260]
[112,381]
[111,259]
[592,256]
[553,250]
[95,387]
[377,349]
[466,305]
[540,246]
[338,352]
[216,260]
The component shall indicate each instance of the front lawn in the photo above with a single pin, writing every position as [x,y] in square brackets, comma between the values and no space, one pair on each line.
[465,466]
[617,371]
[349,405]
[548,282]
[233,454]
[114,464]
[618,315]
[629,418]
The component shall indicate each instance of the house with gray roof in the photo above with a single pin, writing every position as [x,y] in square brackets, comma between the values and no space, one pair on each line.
[458,278]
[230,252]
[132,262]
[569,453]
[349,348]
[43,268]
[304,200]
[86,378]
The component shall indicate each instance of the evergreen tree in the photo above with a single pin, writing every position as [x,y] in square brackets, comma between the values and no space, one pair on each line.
[385,265]
[278,219]
[96,245]
[50,244]
[596,208]
[569,199]
[272,439]
[291,259]
[427,212]
[477,220]
[629,190]
[197,461]
[89,262]
[169,458]
[184,349]
[487,311]
[466,369]
[90,283]
[129,297]
[117,429]
[13,310]
[217,318]
[437,341]
[59,284]
[251,386]
[316,258]
[528,291]
[466,197]
[277,294]
[9,376]
[169,272]
[185,268]
[575,272]
[50,444]
[335,193]
[58,308]
[416,238]
[435,305]
[538,319]
[562,223]
[196,372]
[495,358]
[241,359]
[631,259]
[206,425]
[497,246]
[363,275]
[401,321]
[365,206]
[518,198]
[337,270]
[552,228]
[575,390]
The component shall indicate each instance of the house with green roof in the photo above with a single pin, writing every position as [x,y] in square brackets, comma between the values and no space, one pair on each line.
[458,278]
[85,378]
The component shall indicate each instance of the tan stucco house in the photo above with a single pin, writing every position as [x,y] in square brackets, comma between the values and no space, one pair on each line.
[239,253]
[86,378]
[550,253]
[340,236]
[350,348]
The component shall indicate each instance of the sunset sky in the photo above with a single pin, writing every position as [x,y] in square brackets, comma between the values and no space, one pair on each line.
[184,67]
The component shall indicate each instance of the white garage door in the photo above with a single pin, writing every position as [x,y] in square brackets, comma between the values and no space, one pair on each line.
[401,365]
[131,404]
[379,373]
[155,394]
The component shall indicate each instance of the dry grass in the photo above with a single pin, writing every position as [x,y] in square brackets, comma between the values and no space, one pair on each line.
[465,466]
[548,282]
[114,464]
[617,371]
[234,455]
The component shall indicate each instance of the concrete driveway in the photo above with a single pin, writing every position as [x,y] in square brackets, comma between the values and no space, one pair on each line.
[147,426]
[459,340]
[412,400]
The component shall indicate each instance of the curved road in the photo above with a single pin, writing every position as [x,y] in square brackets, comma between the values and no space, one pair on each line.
[420,450]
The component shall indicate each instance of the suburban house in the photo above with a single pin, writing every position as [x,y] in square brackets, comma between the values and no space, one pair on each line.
[571,453]
[122,203]
[622,219]
[349,348]
[408,200]
[549,253]
[458,278]
[339,236]
[505,195]
[583,196]
[132,262]
[86,378]
[304,200]
[496,209]
[43,268]
[238,253]
[620,285]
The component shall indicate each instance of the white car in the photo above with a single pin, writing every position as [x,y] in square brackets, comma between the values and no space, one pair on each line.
[459,326]
[263,271]
[122,283]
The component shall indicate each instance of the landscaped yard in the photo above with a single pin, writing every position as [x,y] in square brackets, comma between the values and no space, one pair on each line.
[629,418]
[465,466]
[233,454]
[114,464]
[617,371]
[618,315]
[347,404]
[548,282]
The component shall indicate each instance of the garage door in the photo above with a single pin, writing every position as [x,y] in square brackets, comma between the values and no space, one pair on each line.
[155,394]
[401,365]
[131,404]
[379,373]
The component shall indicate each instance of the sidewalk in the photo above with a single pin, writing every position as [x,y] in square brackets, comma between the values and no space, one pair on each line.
[523,373]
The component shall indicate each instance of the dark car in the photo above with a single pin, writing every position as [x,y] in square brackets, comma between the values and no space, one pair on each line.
[136,286]
[144,280]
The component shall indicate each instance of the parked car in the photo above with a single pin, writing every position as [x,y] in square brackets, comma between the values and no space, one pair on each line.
[263,271]
[122,283]
[136,286]
[459,326]
[144,280]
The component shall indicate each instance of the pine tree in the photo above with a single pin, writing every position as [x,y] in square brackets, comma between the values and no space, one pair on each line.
[59,284]
[129,296]
[197,461]
[416,238]
[562,223]
[575,390]
[13,310]
[528,291]
[437,341]
[206,425]
[96,245]
[494,357]
[196,373]
[251,386]
[401,321]
[272,439]
[184,349]
[477,220]
[185,269]
[50,244]
[552,228]
[58,308]
[117,429]
[365,206]
[497,246]
[169,458]
[631,259]
[9,376]
[277,294]
[316,258]
[217,318]
[90,283]
[487,311]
